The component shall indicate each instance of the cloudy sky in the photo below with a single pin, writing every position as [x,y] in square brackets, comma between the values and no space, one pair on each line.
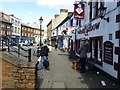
[29,11]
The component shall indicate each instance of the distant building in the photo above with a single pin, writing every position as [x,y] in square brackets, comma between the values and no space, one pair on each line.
[16,25]
[5,27]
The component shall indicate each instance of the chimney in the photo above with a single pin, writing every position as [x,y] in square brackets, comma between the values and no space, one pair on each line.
[56,15]
[1,14]
[63,10]
[11,15]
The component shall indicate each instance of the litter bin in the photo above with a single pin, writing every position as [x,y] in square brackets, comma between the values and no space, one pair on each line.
[75,65]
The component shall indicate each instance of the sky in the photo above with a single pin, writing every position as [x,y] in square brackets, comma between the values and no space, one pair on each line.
[29,11]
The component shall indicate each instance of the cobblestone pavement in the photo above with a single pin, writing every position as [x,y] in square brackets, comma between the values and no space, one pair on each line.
[61,75]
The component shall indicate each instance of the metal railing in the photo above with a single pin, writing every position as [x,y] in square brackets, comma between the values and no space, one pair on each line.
[17,49]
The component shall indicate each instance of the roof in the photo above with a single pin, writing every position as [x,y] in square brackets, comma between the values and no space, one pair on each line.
[4,20]
[70,14]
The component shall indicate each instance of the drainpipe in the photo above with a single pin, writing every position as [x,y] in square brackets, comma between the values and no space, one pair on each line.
[119,46]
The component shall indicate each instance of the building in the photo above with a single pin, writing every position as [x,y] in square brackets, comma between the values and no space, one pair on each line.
[31,34]
[16,25]
[49,30]
[55,22]
[103,34]
[5,27]
[37,35]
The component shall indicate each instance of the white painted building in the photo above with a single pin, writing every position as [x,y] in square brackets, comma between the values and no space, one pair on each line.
[16,25]
[103,35]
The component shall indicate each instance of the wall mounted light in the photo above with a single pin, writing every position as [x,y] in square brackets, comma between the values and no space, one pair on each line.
[102,12]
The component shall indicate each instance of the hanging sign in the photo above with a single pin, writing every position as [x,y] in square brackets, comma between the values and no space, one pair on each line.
[79,11]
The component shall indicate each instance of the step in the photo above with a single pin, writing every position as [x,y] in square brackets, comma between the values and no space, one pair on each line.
[58,85]
[3,49]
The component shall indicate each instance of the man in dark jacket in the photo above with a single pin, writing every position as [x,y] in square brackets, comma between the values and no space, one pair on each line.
[44,56]
[43,59]
[83,55]
[44,50]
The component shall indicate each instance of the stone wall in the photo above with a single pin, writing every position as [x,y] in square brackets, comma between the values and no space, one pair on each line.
[15,75]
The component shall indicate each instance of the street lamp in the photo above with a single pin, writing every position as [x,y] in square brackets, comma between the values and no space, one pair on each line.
[41,20]
[102,12]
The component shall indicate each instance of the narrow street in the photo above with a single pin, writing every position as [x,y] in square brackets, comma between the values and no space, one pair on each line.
[61,75]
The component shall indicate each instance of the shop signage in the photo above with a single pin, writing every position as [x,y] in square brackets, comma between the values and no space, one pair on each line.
[89,28]
[79,11]
[108,52]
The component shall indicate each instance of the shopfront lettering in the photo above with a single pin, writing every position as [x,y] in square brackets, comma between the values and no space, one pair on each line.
[89,28]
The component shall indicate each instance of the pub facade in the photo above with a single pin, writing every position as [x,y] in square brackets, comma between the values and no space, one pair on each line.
[103,34]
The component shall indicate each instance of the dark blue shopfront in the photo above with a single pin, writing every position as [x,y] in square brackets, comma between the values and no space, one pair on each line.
[20,39]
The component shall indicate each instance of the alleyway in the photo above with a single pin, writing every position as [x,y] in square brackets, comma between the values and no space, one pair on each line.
[61,75]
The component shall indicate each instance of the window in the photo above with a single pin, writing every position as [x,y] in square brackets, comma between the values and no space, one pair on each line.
[15,21]
[77,22]
[19,23]
[12,20]
[12,29]
[18,30]
[71,22]
[15,29]
[93,10]
[90,14]
[118,3]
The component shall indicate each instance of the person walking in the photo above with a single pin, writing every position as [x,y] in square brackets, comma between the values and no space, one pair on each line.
[43,60]
[83,55]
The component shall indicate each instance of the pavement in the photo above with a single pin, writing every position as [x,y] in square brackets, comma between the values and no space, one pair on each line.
[61,74]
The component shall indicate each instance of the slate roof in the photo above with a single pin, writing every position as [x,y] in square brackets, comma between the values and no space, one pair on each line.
[3,20]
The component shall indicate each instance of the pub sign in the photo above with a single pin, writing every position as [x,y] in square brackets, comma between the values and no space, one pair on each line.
[79,11]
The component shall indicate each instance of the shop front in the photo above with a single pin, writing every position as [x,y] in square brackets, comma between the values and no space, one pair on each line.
[102,43]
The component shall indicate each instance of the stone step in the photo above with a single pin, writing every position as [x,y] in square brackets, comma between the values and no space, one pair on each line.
[58,85]
[3,49]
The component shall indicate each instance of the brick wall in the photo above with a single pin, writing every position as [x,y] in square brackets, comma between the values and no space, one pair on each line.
[16,75]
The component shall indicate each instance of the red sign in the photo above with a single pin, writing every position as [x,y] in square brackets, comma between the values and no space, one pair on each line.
[79,11]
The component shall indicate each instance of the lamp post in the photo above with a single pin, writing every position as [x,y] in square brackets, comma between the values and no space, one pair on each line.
[41,20]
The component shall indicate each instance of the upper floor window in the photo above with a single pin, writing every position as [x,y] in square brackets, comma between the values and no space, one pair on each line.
[15,21]
[18,22]
[93,10]
[12,20]
[118,3]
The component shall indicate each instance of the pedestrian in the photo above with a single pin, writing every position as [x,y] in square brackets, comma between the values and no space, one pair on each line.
[44,56]
[83,55]
[56,46]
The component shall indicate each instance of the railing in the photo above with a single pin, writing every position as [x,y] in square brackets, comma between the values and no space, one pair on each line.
[17,49]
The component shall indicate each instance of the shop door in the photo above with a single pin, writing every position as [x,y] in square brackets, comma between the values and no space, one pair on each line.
[96,49]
